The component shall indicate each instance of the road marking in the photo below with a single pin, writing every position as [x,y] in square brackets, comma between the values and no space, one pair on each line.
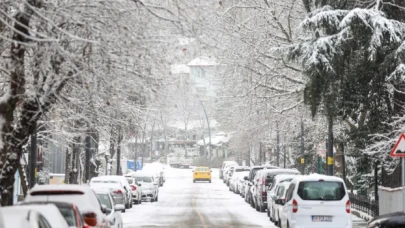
[196,211]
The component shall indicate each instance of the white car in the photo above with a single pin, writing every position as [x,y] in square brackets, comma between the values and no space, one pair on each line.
[81,195]
[234,180]
[136,189]
[241,184]
[119,186]
[316,201]
[149,186]
[272,192]
[277,209]
[32,216]
[113,210]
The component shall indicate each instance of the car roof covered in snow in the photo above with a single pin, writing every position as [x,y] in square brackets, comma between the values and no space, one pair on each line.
[62,187]
[317,177]
[11,215]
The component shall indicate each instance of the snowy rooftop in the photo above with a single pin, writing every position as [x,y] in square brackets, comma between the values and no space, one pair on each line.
[179,69]
[203,61]
[216,140]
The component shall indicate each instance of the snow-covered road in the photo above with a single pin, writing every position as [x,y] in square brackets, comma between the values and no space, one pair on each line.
[183,203]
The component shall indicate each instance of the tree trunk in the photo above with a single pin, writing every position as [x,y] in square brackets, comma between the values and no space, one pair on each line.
[68,166]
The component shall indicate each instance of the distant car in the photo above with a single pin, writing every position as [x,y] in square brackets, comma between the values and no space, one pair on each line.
[135,189]
[81,195]
[202,174]
[118,185]
[32,216]
[69,211]
[251,182]
[272,192]
[149,185]
[225,165]
[263,180]
[235,179]
[316,201]
[113,210]
[392,220]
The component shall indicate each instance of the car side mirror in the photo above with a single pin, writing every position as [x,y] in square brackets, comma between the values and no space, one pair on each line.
[139,184]
[119,207]
[279,202]
[104,208]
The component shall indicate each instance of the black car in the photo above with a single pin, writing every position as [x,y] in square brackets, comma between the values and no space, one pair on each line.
[250,181]
[392,220]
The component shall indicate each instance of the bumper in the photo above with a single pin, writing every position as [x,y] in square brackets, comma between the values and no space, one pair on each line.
[201,179]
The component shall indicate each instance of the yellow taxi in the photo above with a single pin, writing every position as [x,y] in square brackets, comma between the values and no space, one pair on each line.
[202,174]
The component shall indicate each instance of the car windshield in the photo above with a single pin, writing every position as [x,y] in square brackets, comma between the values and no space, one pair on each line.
[321,190]
[69,215]
[202,169]
[144,179]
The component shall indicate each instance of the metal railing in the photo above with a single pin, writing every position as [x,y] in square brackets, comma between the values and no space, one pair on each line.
[364,204]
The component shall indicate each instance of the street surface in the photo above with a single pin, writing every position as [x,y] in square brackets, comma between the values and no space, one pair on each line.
[183,203]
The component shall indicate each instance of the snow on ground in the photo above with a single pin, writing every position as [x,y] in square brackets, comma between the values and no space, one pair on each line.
[183,203]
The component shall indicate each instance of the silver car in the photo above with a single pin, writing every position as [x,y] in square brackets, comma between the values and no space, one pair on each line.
[149,186]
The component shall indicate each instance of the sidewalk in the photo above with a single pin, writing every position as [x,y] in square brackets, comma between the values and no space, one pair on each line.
[357,221]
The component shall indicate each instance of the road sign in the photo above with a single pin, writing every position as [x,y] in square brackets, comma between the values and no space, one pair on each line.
[302,160]
[330,160]
[399,148]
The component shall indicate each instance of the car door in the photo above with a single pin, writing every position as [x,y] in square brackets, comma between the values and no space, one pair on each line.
[287,207]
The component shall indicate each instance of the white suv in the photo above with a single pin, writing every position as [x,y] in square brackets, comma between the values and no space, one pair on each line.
[316,201]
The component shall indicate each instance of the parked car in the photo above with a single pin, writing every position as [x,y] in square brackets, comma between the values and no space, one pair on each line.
[316,201]
[250,181]
[225,165]
[241,184]
[82,196]
[32,216]
[392,220]
[136,189]
[113,210]
[202,174]
[235,179]
[263,180]
[280,196]
[149,186]
[69,211]
[272,192]
[232,170]
[227,171]
[118,185]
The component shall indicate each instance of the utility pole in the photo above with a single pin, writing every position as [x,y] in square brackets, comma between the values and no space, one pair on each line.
[278,145]
[285,151]
[33,158]
[119,152]
[302,147]
[260,152]
[329,159]
[343,162]
[88,151]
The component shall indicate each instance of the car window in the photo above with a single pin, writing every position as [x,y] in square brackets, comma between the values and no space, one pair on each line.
[321,190]
[280,191]
[42,222]
[105,199]
[130,180]
[69,215]
[144,179]
[289,192]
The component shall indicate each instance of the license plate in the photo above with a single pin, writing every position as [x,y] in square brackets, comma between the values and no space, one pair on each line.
[321,218]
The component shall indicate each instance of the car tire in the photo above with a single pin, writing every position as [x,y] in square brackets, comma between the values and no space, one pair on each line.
[136,202]
[123,211]
[152,200]
[193,181]
[126,205]
[209,181]
[157,198]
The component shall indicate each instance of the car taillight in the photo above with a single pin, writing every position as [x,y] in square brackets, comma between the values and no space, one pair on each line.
[348,206]
[117,191]
[264,195]
[283,200]
[294,206]
[90,215]
[133,187]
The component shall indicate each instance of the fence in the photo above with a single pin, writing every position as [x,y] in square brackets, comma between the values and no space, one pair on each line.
[364,204]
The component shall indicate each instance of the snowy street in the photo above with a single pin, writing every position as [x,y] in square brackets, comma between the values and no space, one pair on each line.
[185,204]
